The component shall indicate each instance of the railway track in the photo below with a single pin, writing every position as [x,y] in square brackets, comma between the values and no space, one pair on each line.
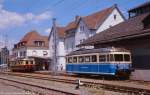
[38,89]
[108,86]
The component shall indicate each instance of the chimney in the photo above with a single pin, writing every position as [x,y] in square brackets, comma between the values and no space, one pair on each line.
[77,18]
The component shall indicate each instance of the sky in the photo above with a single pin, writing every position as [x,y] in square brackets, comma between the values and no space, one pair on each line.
[17,17]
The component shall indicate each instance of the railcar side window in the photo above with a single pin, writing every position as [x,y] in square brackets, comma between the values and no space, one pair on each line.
[26,62]
[94,58]
[126,57]
[75,59]
[111,58]
[81,59]
[102,58]
[118,57]
[31,62]
[108,59]
[66,60]
[69,59]
[87,58]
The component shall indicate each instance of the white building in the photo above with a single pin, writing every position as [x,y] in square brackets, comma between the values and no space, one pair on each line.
[80,29]
[32,45]
[85,27]
[60,48]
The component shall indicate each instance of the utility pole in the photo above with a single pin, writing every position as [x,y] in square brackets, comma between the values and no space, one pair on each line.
[54,47]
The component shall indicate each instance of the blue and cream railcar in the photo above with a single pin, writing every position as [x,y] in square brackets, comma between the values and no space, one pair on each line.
[104,61]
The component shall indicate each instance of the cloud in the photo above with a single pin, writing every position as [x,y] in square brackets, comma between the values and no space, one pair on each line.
[48,30]
[9,18]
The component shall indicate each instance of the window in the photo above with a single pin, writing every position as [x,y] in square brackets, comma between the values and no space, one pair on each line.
[26,62]
[75,59]
[81,28]
[102,58]
[39,43]
[69,59]
[80,41]
[115,16]
[31,62]
[21,54]
[108,59]
[126,57]
[24,53]
[118,57]
[87,58]
[94,58]
[111,57]
[81,59]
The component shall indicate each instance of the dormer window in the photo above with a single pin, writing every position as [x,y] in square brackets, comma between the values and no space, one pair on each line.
[39,43]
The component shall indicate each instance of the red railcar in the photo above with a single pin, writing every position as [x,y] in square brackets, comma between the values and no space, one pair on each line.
[25,65]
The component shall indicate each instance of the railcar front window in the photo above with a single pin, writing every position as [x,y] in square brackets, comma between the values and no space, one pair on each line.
[75,59]
[87,58]
[126,57]
[118,57]
[94,58]
[81,59]
[102,58]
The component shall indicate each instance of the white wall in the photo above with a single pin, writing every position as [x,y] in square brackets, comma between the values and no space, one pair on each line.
[110,21]
[81,34]
[60,52]
[29,52]
[39,52]
[61,48]
[17,51]
[69,44]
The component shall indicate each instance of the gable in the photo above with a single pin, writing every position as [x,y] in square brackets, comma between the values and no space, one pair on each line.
[114,18]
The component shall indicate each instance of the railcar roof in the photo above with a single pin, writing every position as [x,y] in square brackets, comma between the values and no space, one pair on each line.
[100,50]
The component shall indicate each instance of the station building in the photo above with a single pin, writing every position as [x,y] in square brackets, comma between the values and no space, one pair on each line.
[78,30]
[33,45]
[133,34]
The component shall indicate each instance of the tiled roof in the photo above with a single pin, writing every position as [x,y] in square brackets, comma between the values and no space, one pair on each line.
[140,6]
[94,19]
[97,18]
[132,26]
[32,36]
[61,31]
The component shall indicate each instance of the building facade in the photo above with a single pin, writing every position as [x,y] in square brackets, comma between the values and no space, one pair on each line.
[84,27]
[32,45]
[74,33]
[56,46]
